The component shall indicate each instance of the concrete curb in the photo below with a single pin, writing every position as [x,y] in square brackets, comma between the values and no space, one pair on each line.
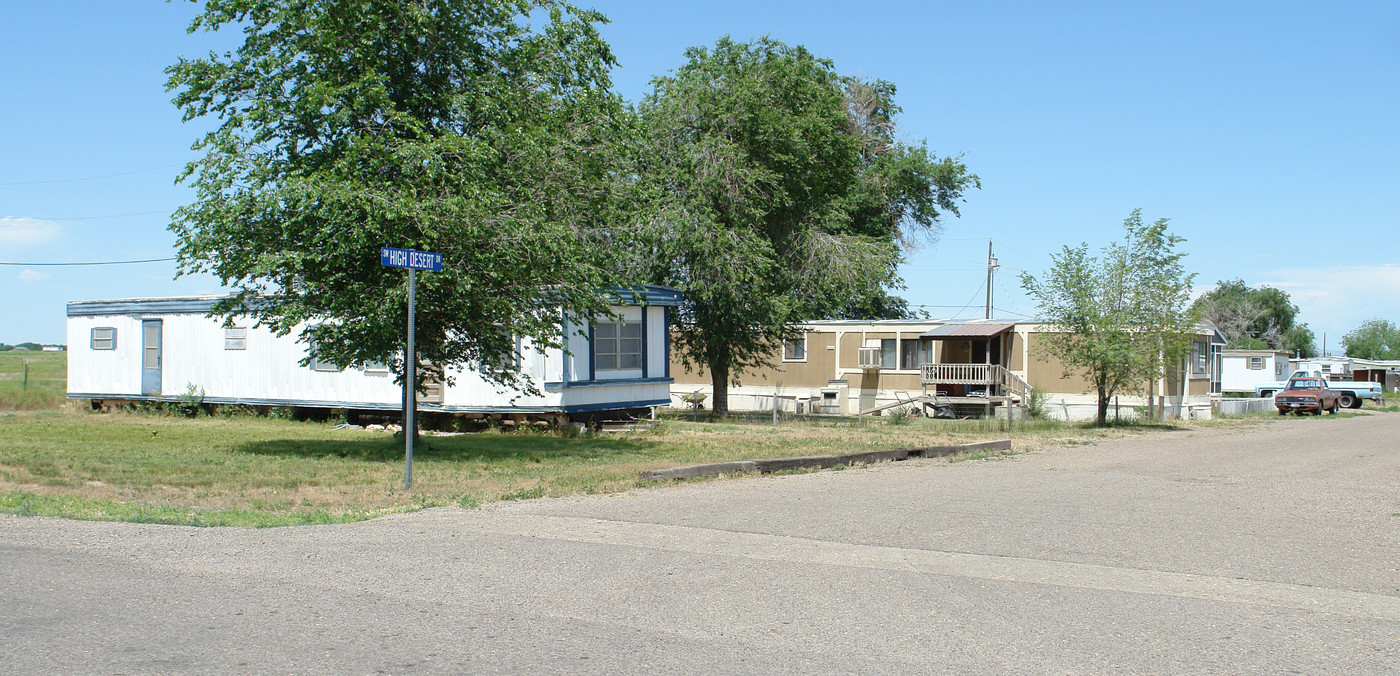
[767,465]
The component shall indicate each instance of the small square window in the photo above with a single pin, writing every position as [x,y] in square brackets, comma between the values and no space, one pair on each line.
[236,338]
[376,367]
[1256,363]
[795,349]
[104,338]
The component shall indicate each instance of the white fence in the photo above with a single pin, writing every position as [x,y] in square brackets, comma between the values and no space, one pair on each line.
[1241,406]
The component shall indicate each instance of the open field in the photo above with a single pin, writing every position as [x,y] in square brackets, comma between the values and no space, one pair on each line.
[45,385]
[267,472]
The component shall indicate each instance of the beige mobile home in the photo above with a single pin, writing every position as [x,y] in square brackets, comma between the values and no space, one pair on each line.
[848,367]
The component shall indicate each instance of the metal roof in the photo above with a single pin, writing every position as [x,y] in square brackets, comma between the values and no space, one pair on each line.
[969,330]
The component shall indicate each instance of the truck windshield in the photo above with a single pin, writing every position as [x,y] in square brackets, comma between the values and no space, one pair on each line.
[1305,385]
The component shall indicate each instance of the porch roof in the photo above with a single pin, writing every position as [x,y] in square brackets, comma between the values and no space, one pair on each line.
[983,329]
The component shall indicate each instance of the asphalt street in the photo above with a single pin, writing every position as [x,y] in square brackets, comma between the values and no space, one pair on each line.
[1273,549]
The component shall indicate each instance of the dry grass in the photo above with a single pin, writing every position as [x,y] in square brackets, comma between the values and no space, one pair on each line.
[260,472]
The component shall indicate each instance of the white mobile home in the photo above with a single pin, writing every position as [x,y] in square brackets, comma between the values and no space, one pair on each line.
[155,349]
[1243,370]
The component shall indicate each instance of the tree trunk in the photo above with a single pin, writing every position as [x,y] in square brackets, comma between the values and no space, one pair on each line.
[719,382]
[1103,406]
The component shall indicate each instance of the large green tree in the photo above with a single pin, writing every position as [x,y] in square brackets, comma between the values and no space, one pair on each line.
[1374,339]
[477,129]
[1262,318]
[1121,319]
[777,193]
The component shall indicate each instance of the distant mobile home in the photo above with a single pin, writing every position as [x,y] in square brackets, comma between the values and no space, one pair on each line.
[846,367]
[1243,370]
[156,349]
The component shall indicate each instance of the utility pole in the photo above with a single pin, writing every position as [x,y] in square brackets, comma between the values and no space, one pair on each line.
[991,265]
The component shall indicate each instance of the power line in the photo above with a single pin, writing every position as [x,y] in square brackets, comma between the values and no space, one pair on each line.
[91,178]
[975,294]
[94,218]
[36,265]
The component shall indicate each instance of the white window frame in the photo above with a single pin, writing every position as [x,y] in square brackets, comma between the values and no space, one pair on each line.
[110,340]
[1256,363]
[236,338]
[321,366]
[613,360]
[795,349]
[1199,363]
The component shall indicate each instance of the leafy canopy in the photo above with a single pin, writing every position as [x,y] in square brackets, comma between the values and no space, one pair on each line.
[1374,339]
[777,194]
[1255,318]
[454,127]
[1120,320]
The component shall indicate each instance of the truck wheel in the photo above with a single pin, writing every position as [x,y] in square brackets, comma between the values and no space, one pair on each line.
[1336,404]
[1265,394]
[1349,401]
[1283,411]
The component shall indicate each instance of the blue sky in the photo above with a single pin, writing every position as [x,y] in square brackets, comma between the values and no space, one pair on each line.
[1266,131]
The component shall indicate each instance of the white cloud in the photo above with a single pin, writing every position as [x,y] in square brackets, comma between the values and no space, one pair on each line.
[29,276]
[1336,299]
[20,231]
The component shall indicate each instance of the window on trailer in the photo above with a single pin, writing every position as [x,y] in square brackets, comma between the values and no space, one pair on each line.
[319,364]
[104,338]
[1256,363]
[887,353]
[617,346]
[795,349]
[236,338]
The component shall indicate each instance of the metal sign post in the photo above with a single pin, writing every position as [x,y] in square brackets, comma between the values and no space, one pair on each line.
[413,261]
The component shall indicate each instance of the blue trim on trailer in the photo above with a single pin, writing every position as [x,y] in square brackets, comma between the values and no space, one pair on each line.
[651,295]
[378,406]
[592,353]
[133,306]
[644,341]
[564,348]
[608,383]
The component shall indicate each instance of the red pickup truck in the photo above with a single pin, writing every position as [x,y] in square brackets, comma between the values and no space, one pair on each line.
[1307,394]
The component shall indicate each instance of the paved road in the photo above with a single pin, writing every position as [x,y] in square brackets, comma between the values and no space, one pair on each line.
[1272,550]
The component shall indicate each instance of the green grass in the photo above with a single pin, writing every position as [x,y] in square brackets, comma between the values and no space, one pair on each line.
[249,471]
[57,460]
[45,385]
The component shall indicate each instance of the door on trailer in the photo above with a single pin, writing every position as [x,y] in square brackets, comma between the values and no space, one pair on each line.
[150,357]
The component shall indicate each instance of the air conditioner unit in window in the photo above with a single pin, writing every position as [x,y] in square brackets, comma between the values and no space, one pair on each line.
[870,358]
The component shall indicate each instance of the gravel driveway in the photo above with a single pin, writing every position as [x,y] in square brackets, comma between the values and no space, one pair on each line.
[1272,549]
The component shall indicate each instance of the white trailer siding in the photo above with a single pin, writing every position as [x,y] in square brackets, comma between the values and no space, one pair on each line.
[117,370]
[1237,374]
[265,369]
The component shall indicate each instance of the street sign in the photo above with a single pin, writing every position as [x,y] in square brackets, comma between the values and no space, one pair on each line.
[426,261]
[390,257]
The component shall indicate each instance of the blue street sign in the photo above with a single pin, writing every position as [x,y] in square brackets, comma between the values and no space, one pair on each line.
[390,257]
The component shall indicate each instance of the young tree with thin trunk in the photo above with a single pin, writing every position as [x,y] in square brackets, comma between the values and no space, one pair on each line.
[1121,319]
